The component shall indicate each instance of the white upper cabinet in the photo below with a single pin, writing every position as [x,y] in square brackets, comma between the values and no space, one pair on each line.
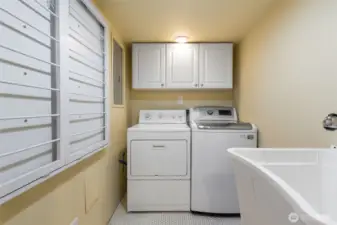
[148,62]
[182,69]
[216,65]
[183,66]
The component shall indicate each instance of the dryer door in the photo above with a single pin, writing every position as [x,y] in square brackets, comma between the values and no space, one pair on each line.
[159,158]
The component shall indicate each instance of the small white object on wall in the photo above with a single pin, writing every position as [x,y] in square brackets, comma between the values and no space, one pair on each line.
[180,100]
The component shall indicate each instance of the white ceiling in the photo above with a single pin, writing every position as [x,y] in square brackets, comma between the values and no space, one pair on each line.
[200,20]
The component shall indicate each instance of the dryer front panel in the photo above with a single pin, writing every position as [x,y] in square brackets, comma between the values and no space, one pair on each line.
[159,158]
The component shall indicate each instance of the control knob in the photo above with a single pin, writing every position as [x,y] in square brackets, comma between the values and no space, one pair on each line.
[210,112]
[147,116]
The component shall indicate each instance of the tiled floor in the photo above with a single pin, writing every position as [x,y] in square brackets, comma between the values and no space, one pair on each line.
[121,217]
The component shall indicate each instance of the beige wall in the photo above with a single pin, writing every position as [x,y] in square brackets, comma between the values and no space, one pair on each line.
[287,74]
[90,190]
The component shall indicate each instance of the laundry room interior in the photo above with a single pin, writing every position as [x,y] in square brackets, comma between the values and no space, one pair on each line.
[134,120]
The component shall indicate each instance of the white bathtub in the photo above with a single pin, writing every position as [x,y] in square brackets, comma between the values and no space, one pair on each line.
[286,186]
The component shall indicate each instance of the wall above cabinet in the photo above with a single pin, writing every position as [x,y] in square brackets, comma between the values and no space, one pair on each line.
[182,66]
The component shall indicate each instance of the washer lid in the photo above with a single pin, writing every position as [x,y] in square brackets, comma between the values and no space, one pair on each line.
[224,126]
[160,127]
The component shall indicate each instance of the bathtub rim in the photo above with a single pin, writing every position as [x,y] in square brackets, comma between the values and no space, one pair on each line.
[301,207]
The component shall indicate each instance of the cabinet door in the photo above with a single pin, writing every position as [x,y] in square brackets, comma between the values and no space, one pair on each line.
[216,65]
[182,66]
[148,65]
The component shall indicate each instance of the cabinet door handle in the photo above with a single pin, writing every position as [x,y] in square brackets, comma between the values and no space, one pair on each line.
[162,85]
[202,85]
[196,85]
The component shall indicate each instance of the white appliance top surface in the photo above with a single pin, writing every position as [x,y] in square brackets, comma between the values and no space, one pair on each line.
[160,127]
[162,117]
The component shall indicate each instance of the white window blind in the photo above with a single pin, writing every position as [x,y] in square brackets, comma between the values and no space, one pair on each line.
[29,90]
[86,81]
[53,105]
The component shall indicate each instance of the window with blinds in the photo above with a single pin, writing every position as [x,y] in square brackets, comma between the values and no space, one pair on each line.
[53,105]
[86,81]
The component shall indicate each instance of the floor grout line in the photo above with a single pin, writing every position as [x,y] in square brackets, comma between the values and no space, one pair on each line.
[121,217]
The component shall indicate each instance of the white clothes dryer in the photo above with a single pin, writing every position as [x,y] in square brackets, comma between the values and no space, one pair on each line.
[158,153]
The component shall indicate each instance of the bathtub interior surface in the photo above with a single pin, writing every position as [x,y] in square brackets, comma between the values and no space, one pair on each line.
[311,173]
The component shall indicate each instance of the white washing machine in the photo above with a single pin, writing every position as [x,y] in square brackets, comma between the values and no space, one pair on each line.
[158,152]
[214,130]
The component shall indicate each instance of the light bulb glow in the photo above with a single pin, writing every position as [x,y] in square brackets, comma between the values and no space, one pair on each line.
[181,39]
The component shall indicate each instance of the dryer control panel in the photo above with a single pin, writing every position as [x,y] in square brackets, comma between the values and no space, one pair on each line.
[162,116]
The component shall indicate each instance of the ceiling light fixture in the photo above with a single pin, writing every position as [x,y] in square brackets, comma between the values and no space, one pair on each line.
[181,39]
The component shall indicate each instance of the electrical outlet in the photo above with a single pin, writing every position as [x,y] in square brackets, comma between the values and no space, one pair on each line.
[333,146]
[75,221]
[180,100]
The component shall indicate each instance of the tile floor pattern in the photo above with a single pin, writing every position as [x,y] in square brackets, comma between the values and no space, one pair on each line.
[121,217]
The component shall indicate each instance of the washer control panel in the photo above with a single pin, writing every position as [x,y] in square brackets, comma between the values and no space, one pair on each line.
[216,113]
[162,116]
